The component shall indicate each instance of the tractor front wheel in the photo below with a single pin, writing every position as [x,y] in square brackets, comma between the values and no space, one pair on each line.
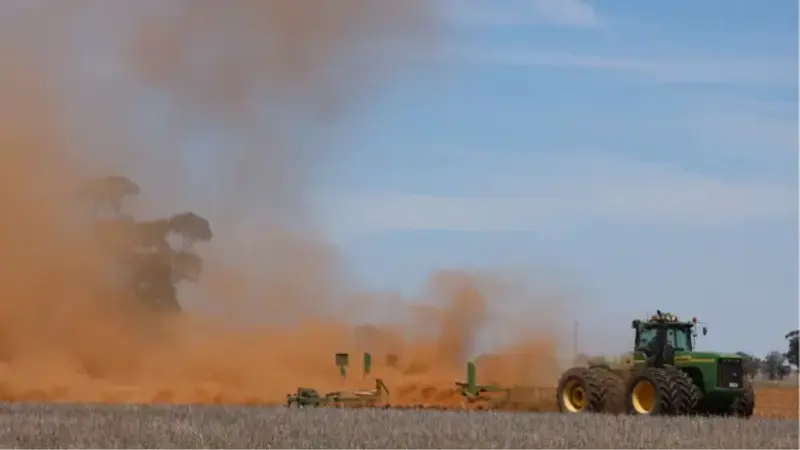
[649,392]
[685,395]
[744,405]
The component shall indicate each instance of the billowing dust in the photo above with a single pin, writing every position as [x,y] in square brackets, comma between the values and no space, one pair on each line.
[267,82]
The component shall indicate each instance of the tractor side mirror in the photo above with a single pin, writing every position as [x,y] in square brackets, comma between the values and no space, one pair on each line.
[705,331]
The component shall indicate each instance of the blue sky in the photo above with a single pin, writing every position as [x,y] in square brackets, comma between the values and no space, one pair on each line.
[637,155]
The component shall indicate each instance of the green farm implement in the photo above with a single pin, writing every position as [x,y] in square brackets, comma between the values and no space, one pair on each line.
[474,392]
[492,396]
[309,397]
[665,375]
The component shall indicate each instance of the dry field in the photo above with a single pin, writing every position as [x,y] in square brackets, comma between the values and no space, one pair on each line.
[108,426]
[779,402]
[50,425]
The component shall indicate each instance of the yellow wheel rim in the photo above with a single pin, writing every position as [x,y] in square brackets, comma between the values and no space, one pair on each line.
[644,397]
[574,396]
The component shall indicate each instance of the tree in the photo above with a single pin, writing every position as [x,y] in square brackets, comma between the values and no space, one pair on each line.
[186,266]
[106,193]
[150,266]
[191,228]
[775,366]
[153,283]
[793,352]
[152,234]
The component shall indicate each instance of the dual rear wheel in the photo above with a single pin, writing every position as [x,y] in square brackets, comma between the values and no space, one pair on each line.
[661,391]
[651,391]
[595,389]
[670,391]
[665,391]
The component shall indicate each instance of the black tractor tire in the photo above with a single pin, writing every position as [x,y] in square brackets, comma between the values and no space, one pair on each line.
[579,390]
[685,394]
[612,390]
[698,401]
[649,392]
[744,405]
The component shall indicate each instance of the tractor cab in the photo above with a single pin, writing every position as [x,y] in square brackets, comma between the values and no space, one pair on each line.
[680,335]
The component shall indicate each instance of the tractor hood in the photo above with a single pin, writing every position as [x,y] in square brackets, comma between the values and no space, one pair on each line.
[700,357]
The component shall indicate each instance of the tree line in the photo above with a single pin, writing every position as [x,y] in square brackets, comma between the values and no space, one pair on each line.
[775,365]
[151,257]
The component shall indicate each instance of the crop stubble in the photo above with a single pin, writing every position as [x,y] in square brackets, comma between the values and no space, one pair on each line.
[49,425]
[150,426]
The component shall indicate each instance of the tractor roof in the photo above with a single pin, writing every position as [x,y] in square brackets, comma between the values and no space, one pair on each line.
[667,318]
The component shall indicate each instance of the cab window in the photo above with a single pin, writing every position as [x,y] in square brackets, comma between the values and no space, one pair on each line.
[679,338]
[645,336]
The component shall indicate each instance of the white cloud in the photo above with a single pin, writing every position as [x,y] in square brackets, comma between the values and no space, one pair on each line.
[759,130]
[577,13]
[688,69]
[750,133]
[564,13]
[566,190]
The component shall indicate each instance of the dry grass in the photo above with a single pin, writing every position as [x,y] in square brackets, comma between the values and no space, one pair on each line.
[85,426]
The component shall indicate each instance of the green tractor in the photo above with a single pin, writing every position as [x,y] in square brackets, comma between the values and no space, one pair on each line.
[665,375]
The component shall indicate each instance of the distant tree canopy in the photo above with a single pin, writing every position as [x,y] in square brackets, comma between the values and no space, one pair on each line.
[775,366]
[752,364]
[150,266]
[793,352]
[106,193]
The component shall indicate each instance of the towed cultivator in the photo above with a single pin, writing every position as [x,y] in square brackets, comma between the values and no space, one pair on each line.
[473,395]
[309,397]
[664,376]
[489,396]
